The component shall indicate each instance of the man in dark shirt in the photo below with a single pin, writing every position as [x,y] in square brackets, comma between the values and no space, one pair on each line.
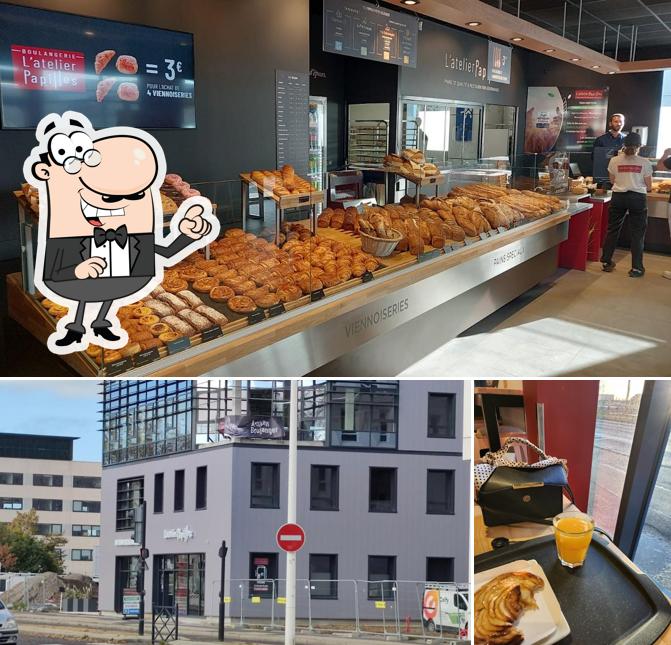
[614,137]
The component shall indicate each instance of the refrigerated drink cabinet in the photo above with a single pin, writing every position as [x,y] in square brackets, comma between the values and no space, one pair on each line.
[317,133]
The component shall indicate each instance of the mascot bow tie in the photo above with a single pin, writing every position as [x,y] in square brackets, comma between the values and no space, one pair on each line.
[120,236]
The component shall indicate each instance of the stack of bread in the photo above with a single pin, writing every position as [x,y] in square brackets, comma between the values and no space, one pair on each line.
[411,162]
[527,203]
[281,182]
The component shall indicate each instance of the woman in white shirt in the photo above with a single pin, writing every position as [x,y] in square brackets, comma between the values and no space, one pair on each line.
[631,177]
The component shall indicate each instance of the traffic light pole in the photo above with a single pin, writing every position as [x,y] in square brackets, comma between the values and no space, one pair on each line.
[139,535]
[223,550]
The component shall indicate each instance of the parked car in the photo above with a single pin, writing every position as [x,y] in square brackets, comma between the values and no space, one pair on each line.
[9,630]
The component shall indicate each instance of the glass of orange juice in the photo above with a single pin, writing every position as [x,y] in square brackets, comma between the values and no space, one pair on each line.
[573,534]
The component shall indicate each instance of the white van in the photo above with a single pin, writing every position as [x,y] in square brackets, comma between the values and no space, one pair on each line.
[445,607]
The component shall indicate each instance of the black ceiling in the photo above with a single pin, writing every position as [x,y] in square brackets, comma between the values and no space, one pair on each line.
[652,19]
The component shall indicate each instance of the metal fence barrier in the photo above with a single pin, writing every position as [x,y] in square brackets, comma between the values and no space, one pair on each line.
[391,609]
[164,623]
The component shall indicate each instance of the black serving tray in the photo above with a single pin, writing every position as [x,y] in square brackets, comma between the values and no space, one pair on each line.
[605,601]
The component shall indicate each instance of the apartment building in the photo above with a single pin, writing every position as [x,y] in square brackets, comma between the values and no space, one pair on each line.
[38,471]
[382,488]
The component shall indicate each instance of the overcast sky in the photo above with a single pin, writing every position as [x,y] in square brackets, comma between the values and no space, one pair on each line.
[57,407]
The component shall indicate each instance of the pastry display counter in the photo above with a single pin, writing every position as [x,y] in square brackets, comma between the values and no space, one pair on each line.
[321,302]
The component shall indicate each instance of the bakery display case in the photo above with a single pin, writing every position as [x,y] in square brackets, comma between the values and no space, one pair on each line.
[276,295]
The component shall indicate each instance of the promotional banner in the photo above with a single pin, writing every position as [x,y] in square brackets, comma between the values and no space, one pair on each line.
[499,58]
[116,73]
[252,426]
[564,118]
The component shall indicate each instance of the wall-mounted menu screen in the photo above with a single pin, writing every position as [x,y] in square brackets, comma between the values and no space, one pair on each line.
[361,29]
[115,73]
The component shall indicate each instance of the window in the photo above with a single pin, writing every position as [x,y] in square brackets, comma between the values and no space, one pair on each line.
[265,486]
[324,488]
[440,492]
[85,530]
[82,555]
[440,569]
[79,481]
[323,575]
[85,506]
[49,529]
[129,495]
[382,490]
[11,479]
[48,480]
[158,493]
[179,491]
[11,503]
[262,574]
[48,504]
[201,487]
[381,568]
[441,419]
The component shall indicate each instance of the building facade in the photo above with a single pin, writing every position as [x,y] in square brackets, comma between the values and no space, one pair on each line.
[39,472]
[382,489]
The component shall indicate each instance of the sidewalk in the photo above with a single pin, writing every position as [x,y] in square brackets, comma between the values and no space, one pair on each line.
[95,628]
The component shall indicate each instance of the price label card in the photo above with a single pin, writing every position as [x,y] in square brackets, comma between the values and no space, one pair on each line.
[448,248]
[277,309]
[429,255]
[501,229]
[484,236]
[367,277]
[316,295]
[178,345]
[256,317]
[147,356]
[380,604]
[211,334]
[117,367]
[256,600]
[468,241]
[281,600]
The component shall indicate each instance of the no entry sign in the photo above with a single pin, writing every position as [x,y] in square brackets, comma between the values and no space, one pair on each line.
[290,537]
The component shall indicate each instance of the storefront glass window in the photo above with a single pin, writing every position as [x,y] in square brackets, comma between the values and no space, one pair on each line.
[180,580]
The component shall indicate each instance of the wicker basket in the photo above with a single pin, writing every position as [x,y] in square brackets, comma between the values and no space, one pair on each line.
[379,246]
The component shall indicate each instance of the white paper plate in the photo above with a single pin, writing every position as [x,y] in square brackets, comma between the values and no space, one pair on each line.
[542,626]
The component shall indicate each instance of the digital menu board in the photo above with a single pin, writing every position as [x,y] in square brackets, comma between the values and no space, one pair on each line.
[115,73]
[364,30]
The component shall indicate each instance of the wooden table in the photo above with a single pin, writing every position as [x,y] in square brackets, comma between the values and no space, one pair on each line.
[483,536]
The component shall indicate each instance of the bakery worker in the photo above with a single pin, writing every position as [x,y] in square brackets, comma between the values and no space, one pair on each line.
[631,176]
[98,194]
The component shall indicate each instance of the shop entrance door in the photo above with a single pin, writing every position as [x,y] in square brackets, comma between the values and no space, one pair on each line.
[464,135]
[180,579]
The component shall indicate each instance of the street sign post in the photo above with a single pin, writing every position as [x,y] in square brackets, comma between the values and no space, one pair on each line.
[290,537]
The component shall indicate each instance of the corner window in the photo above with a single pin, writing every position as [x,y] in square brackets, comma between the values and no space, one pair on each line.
[129,495]
[382,490]
[440,492]
[265,486]
[441,419]
[323,575]
[324,488]
[381,574]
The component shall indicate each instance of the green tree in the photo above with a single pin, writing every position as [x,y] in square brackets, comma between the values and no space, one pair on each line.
[25,551]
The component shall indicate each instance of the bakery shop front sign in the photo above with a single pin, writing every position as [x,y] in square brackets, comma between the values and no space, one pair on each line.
[181,535]
[256,427]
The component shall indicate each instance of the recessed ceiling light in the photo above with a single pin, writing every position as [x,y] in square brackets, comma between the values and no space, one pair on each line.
[473,23]
[89,33]
[548,51]
[611,72]
[517,39]
[411,2]
[575,60]
[596,66]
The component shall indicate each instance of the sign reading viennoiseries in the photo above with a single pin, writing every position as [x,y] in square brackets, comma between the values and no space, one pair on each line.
[258,427]
[564,118]
[364,30]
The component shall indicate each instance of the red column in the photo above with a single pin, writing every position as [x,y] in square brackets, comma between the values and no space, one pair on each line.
[573,250]
[570,419]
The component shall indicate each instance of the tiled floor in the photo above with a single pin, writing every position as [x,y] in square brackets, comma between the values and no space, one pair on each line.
[581,323]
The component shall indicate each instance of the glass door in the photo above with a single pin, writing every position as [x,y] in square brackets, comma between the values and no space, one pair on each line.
[317,134]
